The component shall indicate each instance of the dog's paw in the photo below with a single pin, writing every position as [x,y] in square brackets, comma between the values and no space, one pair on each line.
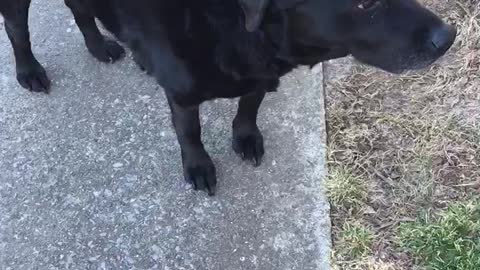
[33,78]
[108,51]
[200,172]
[248,143]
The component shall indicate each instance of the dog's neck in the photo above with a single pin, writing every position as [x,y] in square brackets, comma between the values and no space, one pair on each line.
[243,54]
[266,53]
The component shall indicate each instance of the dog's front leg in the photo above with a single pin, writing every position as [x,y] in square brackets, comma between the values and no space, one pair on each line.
[30,74]
[198,168]
[101,48]
[247,139]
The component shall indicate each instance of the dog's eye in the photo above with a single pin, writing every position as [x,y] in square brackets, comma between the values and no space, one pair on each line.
[368,4]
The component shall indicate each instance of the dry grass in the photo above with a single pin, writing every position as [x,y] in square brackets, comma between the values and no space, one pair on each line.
[413,139]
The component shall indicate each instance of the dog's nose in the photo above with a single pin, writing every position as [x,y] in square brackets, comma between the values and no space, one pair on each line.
[442,38]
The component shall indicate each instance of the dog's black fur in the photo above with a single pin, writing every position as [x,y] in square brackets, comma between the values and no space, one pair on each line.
[30,74]
[204,49]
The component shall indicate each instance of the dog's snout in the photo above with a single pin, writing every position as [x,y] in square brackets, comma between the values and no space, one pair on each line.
[442,38]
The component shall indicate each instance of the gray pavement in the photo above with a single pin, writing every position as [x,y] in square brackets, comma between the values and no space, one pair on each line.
[90,175]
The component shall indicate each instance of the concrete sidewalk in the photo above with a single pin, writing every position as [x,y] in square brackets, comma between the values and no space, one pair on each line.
[90,176]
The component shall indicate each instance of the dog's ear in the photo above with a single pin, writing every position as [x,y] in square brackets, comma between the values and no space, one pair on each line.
[254,11]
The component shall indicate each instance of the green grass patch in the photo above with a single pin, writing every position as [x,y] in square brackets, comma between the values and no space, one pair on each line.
[345,190]
[450,241]
[355,240]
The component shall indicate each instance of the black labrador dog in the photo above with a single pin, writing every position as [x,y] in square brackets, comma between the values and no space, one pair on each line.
[201,50]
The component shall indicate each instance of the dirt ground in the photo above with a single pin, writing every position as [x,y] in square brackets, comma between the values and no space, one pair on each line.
[403,146]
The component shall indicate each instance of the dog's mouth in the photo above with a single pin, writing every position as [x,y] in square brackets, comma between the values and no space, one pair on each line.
[399,63]
[311,55]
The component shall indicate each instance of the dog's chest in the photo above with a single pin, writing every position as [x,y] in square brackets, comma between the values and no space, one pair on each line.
[243,88]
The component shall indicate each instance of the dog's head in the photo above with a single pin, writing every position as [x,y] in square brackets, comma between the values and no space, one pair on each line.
[394,35]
